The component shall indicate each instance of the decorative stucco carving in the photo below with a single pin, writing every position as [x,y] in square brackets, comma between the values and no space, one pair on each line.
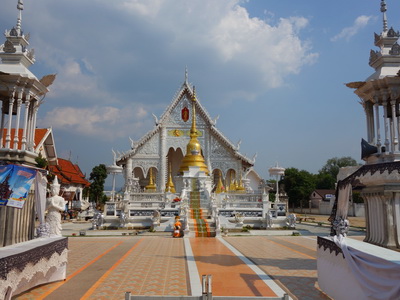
[9,47]
[145,165]
[152,146]
[373,55]
[395,49]
[393,33]
[224,166]
[175,117]
[218,149]
[177,143]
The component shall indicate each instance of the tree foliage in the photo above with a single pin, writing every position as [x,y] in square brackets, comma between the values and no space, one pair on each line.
[324,181]
[298,186]
[333,165]
[98,177]
[41,162]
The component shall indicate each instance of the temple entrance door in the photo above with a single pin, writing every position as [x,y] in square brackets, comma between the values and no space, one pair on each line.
[217,176]
[138,173]
[230,181]
[174,157]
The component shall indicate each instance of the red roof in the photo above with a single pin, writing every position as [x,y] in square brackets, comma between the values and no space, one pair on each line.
[69,173]
[39,135]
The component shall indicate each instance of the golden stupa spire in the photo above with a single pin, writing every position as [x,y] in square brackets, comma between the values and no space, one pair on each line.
[240,188]
[232,186]
[170,184]
[220,187]
[193,157]
[151,186]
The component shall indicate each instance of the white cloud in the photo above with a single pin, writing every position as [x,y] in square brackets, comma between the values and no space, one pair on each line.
[109,55]
[106,121]
[349,32]
[224,35]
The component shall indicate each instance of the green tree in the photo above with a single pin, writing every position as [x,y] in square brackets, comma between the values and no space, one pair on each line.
[41,162]
[333,165]
[98,177]
[357,197]
[298,186]
[325,181]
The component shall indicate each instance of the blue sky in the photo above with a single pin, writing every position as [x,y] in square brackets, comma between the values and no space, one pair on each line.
[273,70]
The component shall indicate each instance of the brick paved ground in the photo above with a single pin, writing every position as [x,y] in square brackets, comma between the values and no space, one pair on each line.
[107,267]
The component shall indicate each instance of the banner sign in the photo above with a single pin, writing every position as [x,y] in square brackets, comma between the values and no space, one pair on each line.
[15,182]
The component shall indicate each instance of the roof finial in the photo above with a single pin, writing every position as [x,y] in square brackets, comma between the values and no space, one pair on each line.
[193,130]
[383,10]
[20,7]
[186,74]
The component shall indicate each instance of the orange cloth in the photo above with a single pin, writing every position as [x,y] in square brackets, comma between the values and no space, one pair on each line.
[177,229]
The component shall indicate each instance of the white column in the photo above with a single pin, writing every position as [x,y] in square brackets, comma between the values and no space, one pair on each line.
[372,138]
[19,103]
[207,150]
[27,103]
[398,133]
[369,120]
[31,139]
[163,160]
[10,110]
[2,128]
[395,140]
[113,188]
[378,128]
[128,171]
[386,124]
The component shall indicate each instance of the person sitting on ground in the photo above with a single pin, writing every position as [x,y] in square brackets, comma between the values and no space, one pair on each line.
[177,227]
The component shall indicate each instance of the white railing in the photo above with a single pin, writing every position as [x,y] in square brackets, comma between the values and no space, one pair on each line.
[243,205]
[147,204]
[243,197]
[147,197]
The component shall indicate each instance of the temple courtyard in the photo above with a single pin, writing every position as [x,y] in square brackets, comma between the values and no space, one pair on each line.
[105,264]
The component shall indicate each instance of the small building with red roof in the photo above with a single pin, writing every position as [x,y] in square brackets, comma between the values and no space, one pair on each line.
[72,181]
[70,176]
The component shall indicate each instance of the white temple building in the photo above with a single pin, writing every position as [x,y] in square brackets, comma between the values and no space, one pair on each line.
[163,148]
[186,167]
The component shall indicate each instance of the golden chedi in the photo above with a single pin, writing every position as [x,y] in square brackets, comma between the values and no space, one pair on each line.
[151,187]
[220,187]
[170,187]
[193,157]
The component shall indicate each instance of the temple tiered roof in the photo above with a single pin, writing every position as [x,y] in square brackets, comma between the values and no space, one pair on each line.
[187,89]
[69,173]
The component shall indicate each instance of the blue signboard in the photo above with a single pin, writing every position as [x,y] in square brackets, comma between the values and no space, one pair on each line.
[15,182]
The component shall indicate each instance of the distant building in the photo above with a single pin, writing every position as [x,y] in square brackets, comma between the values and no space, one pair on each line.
[72,181]
[321,195]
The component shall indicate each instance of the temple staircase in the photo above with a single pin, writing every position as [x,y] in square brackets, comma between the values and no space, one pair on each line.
[200,221]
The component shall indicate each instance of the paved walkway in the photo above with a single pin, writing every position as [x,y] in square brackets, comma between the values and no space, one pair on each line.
[105,267]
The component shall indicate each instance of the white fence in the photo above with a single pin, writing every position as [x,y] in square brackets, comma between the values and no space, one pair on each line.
[325,208]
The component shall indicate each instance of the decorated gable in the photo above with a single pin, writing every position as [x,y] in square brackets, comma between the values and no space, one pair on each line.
[219,150]
[151,146]
[181,114]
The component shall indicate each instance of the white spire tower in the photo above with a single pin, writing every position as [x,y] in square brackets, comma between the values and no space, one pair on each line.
[20,7]
[21,94]
[383,10]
